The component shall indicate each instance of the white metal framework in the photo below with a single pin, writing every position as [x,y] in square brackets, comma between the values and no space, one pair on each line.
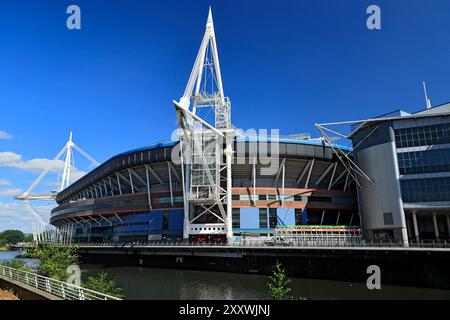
[62,290]
[352,168]
[206,176]
[42,230]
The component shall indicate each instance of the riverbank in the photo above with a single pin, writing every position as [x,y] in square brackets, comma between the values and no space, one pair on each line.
[4,249]
[7,295]
[146,283]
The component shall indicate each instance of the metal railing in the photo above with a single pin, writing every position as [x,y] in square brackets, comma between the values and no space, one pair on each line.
[54,287]
[297,243]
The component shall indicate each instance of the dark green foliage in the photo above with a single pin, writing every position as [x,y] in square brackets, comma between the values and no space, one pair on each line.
[54,260]
[102,283]
[11,237]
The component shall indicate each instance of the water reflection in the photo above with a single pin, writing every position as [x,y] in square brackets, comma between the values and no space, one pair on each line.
[155,283]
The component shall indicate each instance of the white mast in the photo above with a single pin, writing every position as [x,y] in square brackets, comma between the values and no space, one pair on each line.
[67,164]
[207,66]
[66,178]
[206,196]
[427,101]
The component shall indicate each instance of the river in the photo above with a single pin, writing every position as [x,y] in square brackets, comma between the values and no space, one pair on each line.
[155,283]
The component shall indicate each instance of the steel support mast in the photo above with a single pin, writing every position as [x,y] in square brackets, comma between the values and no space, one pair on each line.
[206,149]
[43,228]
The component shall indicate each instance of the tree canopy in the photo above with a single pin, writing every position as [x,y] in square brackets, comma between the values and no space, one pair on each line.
[11,237]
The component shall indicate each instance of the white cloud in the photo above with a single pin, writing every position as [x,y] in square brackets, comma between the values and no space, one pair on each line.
[4,182]
[10,192]
[14,215]
[14,160]
[5,135]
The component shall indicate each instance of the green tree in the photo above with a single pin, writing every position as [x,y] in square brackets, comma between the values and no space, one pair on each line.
[102,283]
[278,284]
[54,260]
[11,236]
[28,238]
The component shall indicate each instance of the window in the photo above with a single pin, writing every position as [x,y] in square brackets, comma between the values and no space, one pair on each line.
[428,161]
[388,219]
[272,217]
[298,217]
[426,190]
[422,136]
[236,215]
[263,218]
[165,222]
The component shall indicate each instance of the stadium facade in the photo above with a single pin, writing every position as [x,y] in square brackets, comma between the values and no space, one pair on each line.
[138,195]
[215,183]
[408,158]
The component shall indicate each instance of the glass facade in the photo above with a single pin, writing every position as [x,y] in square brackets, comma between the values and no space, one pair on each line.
[236,212]
[422,136]
[273,218]
[263,218]
[428,161]
[424,162]
[426,190]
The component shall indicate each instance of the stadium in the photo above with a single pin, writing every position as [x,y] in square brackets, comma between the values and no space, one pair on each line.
[138,196]
[213,183]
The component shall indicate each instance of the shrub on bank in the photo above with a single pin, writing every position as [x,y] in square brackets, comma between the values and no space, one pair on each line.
[54,261]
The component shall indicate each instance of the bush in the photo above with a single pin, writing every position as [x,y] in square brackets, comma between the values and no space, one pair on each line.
[102,283]
[278,284]
[54,260]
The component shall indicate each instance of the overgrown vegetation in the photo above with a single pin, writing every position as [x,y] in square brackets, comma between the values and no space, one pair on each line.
[278,285]
[54,261]
[102,283]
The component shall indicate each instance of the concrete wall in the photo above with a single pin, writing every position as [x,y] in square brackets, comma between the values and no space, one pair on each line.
[378,159]
[25,292]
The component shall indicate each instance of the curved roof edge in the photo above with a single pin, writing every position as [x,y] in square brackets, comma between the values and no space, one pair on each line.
[237,139]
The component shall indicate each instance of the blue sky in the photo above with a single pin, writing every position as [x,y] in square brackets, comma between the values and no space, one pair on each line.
[285,64]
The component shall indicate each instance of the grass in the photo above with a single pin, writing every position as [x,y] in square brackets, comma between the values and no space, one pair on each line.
[4,249]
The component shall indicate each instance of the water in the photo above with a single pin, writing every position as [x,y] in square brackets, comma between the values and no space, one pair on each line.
[177,284]
[12,255]
[155,283]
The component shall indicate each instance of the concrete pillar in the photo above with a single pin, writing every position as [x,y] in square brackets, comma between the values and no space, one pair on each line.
[436,230]
[416,229]
[229,158]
